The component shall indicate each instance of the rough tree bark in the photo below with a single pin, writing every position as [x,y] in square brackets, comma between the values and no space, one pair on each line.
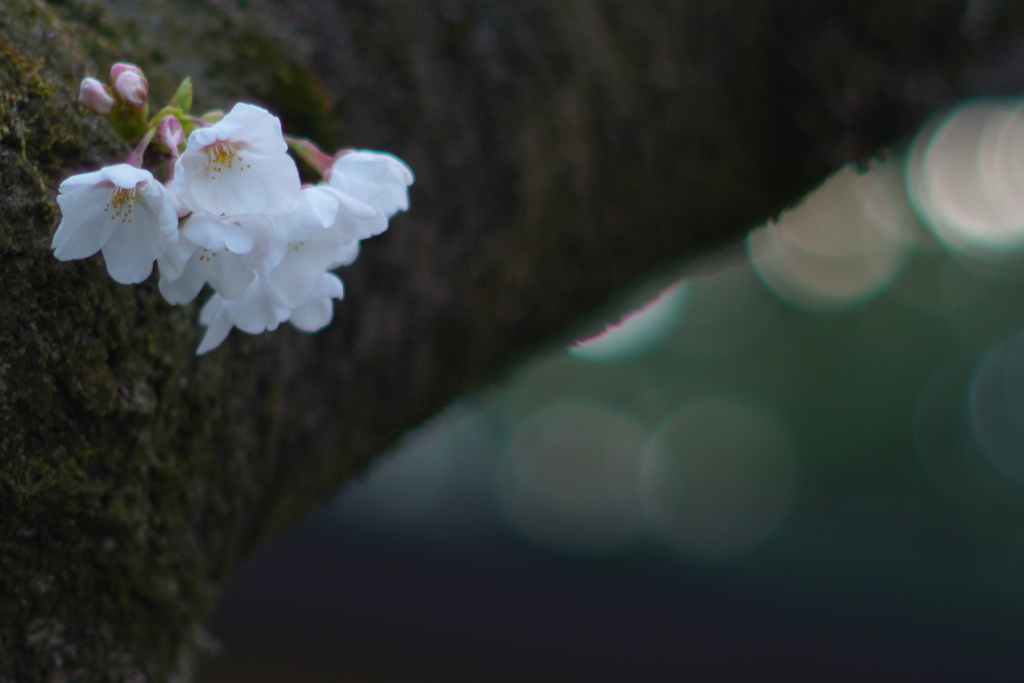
[563,151]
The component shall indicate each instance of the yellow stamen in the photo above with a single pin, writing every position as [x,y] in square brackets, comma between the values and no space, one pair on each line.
[220,155]
[121,205]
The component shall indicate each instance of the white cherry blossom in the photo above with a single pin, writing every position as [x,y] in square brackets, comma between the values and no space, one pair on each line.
[256,311]
[123,211]
[374,178]
[239,165]
[233,214]
[185,267]
[227,251]
[293,280]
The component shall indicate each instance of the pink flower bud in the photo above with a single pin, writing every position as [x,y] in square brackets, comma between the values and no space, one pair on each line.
[120,67]
[170,133]
[94,95]
[311,154]
[132,87]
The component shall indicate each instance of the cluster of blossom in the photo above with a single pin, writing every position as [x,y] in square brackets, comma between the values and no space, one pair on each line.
[232,214]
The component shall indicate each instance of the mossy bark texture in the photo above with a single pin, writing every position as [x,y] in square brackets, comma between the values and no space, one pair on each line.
[563,151]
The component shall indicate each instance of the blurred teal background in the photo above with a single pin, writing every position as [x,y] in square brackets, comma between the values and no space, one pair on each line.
[806,463]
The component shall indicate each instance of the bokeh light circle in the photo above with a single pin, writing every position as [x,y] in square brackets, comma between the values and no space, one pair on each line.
[843,244]
[944,439]
[569,475]
[965,178]
[718,478]
[997,406]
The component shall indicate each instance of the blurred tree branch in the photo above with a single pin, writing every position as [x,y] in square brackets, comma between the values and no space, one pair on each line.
[563,151]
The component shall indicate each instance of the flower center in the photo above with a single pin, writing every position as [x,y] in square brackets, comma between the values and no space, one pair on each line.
[121,204]
[223,155]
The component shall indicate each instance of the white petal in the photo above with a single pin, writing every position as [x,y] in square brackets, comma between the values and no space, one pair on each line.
[324,201]
[213,307]
[83,219]
[313,315]
[374,178]
[218,325]
[253,313]
[295,277]
[130,253]
[174,257]
[117,200]
[125,176]
[344,255]
[317,311]
[358,220]
[230,274]
[315,209]
[236,239]
[217,234]
[184,288]
[257,183]
[253,126]
[84,180]
[164,204]
[330,285]
[271,241]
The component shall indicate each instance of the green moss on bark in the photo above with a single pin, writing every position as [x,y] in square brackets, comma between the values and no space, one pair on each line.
[122,472]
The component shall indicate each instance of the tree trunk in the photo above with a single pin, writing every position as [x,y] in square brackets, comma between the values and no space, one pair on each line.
[563,151]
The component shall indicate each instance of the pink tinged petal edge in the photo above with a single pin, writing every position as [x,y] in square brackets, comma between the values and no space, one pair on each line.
[93,95]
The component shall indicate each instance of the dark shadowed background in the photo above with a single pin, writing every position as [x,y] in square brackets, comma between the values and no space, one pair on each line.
[804,464]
